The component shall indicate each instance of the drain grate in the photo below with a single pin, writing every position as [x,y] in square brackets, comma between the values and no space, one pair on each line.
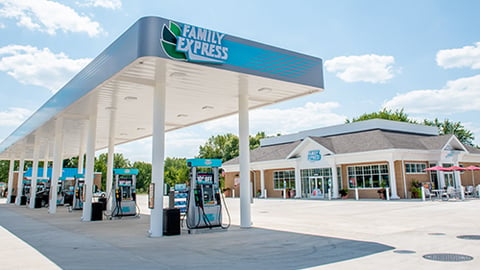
[469,237]
[448,257]
[436,233]
[404,251]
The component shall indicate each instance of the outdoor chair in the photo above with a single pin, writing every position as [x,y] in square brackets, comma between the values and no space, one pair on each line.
[451,193]
[469,191]
[429,194]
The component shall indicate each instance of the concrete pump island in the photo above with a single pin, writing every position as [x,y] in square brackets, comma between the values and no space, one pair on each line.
[162,75]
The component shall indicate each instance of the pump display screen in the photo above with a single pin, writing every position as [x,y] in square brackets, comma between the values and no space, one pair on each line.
[208,195]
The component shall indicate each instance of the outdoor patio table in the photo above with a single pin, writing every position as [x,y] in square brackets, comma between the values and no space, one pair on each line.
[439,192]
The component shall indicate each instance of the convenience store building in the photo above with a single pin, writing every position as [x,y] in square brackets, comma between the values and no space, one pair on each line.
[369,155]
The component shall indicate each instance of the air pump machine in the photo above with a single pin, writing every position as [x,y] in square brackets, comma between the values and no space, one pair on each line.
[204,207]
[79,192]
[124,199]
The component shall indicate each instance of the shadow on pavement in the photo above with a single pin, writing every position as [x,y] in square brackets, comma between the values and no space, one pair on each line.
[124,244]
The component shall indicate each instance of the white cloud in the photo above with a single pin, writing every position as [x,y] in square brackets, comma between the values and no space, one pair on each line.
[13,117]
[40,67]
[2,26]
[460,95]
[468,56]
[284,121]
[48,16]
[363,68]
[112,4]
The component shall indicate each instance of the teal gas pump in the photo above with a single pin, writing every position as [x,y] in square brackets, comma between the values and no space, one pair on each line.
[79,192]
[204,206]
[124,199]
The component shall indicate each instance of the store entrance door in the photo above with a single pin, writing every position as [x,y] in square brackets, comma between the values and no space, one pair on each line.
[317,187]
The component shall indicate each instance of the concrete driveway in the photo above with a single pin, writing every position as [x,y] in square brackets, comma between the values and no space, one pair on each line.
[287,234]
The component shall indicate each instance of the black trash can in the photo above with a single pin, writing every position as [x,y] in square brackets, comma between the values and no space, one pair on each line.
[12,198]
[103,201]
[97,213]
[171,221]
[38,202]
[23,200]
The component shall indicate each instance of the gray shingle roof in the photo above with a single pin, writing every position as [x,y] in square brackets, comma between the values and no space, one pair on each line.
[272,152]
[356,142]
[379,140]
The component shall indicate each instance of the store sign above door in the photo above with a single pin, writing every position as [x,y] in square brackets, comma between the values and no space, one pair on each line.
[193,43]
[314,155]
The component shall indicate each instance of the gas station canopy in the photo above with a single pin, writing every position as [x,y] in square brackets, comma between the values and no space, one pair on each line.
[201,70]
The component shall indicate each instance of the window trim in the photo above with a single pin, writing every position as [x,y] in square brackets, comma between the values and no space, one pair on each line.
[289,180]
[380,173]
[409,164]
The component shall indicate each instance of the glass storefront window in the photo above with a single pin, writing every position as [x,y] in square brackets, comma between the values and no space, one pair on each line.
[370,176]
[284,179]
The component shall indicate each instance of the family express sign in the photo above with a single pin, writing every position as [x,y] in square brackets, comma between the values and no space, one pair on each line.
[193,44]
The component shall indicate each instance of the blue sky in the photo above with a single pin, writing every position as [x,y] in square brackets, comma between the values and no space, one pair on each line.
[423,56]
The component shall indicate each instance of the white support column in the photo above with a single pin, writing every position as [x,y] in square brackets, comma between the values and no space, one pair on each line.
[45,168]
[10,180]
[158,149]
[90,162]
[81,154]
[298,181]
[21,168]
[457,177]
[245,216]
[45,162]
[335,188]
[33,183]
[110,157]
[57,165]
[393,182]
[441,179]
[262,182]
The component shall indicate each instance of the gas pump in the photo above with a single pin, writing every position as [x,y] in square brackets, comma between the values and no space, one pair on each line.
[124,199]
[79,192]
[68,190]
[26,190]
[204,207]
[40,192]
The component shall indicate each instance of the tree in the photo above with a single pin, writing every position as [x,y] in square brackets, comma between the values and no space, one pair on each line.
[176,171]
[449,127]
[119,161]
[225,147]
[4,167]
[397,115]
[144,177]
[446,127]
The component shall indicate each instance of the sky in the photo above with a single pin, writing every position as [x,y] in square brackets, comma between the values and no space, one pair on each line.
[422,56]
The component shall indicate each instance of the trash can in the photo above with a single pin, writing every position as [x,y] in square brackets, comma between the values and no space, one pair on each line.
[38,202]
[12,198]
[97,213]
[103,201]
[171,221]
[23,200]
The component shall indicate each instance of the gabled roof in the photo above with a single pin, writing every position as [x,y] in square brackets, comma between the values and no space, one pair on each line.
[273,152]
[380,140]
[355,127]
[366,141]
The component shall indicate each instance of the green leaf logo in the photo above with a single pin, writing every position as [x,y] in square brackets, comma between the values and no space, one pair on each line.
[169,41]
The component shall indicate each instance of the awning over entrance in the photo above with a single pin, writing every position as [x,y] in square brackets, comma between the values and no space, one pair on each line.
[119,84]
